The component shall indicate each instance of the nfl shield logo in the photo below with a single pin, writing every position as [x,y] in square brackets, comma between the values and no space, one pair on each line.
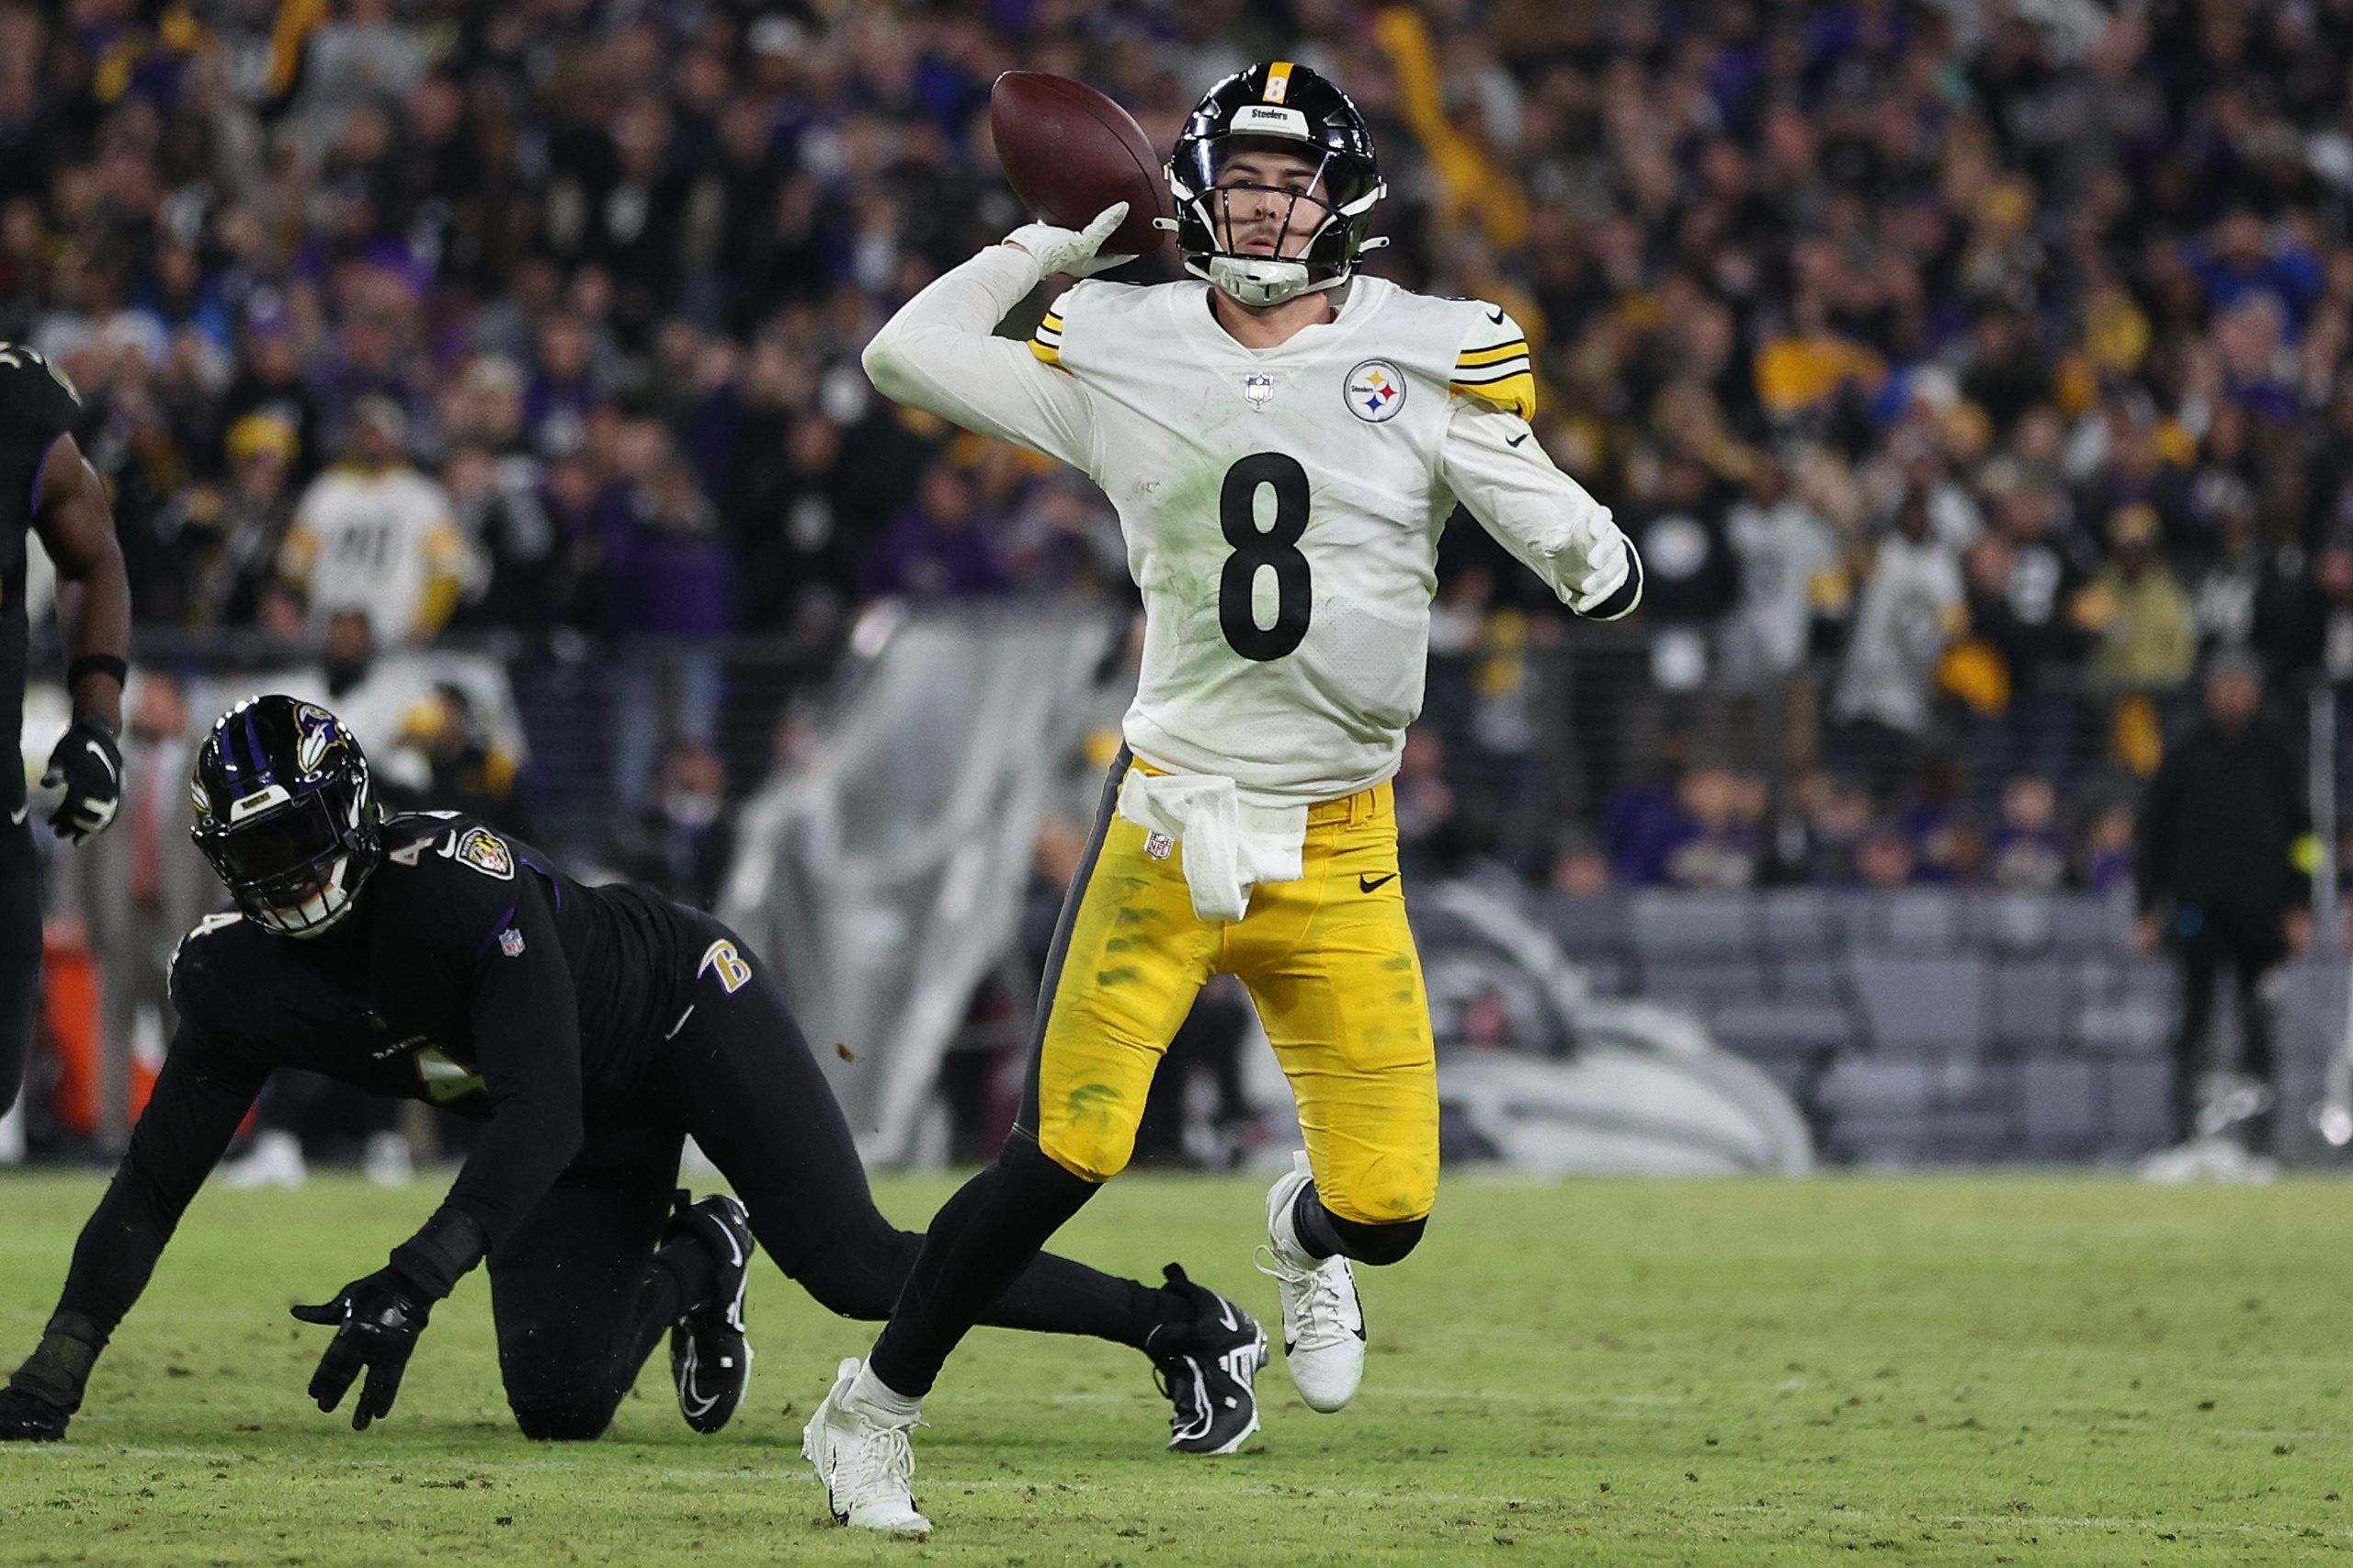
[510,942]
[1159,845]
[1259,387]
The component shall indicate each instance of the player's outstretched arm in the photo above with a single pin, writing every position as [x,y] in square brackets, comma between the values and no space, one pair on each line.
[76,528]
[940,352]
[1496,467]
[490,930]
[199,1098]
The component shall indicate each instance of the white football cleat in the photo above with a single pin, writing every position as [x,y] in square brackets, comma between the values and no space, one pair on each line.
[868,1469]
[387,1161]
[275,1159]
[1323,1316]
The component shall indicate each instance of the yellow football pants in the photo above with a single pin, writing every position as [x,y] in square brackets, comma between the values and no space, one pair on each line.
[1328,959]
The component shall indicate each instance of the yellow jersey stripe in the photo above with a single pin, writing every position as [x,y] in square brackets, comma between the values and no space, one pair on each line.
[1047,352]
[1475,357]
[1277,83]
[1489,374]
[1053,319]
[1513,394]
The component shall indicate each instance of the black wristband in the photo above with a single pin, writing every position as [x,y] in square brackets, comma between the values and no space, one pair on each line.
[1628,594]
[59,1368]
[98,664]
[441,1253]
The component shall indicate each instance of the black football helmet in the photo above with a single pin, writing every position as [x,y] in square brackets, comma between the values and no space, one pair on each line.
[1288,107]
[287,814]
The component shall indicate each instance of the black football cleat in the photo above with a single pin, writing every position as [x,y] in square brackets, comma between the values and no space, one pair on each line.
[709,1358]
[1205,1364]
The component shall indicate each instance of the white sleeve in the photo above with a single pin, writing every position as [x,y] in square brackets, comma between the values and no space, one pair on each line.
[1496,468]
[940,353]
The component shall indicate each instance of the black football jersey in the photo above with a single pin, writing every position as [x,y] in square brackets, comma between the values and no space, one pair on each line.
[471,973]
[37,406]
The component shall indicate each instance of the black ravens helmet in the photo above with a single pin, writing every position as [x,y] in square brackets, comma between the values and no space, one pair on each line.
[1282,106]
[286,813]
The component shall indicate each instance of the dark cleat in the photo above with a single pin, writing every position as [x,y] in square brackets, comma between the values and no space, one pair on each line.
[709,1358]
[1205,1364]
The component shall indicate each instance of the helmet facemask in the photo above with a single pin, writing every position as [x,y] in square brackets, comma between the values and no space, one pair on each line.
[1341,189]
[294,870]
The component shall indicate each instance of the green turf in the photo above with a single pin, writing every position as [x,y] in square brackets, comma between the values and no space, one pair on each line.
[2031,1370]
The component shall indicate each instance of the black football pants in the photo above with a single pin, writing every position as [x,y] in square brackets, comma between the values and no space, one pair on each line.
[2248,943]
[580,1294]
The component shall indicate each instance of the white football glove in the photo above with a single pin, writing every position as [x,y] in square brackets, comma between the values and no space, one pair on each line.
[1073,250]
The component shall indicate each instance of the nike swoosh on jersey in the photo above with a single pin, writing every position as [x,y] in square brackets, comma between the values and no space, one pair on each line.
[1367,884]
[1496,317]
[17,817]
[1516,440]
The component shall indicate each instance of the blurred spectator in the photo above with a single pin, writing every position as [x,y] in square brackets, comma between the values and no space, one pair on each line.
[665,571]
[2140,612]
[1690,572]
[468,772]
[1789,568]
[374,535]
[1819,830]
[269,386]
[2104,862]
[1580,869]
[1949,842]
[1911,604]
[2026,577]
[231,534]
[1886,858]
[2223,831]
[685,839]
[1429,837]
[144,885]
[938,548]
[374,698]
[1717,843]
[2029,854]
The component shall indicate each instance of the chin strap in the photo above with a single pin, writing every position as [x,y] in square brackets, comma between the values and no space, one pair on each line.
[1261,283]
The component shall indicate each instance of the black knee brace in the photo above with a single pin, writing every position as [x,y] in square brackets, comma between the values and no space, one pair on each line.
[1355,1240]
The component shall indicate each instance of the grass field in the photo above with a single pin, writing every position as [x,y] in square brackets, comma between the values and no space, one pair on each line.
[2045,1370]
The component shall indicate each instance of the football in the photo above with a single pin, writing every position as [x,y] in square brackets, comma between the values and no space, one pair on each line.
[1069,153]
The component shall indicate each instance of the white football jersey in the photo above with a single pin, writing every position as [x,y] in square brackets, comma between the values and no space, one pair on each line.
[383,543]
[1281,506]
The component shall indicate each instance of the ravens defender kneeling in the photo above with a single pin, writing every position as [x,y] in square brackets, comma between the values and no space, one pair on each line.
[428,956]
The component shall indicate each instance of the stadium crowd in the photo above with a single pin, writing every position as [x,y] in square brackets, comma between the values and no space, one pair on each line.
[1967,374]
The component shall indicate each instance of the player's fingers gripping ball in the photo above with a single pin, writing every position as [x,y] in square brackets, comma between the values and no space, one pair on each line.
[1073,251]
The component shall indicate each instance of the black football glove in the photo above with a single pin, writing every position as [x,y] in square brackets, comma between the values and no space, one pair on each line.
[377,1320]
[29,1418]
[88,764]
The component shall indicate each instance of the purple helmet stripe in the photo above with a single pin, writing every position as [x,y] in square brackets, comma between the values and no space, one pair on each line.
[253,741]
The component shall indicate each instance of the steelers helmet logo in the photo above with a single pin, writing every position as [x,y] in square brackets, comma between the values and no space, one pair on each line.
[1376,390]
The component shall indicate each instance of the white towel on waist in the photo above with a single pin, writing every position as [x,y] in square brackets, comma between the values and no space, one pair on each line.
[1231,846]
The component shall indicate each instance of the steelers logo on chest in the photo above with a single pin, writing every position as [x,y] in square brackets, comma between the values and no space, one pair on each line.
[1376,390]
